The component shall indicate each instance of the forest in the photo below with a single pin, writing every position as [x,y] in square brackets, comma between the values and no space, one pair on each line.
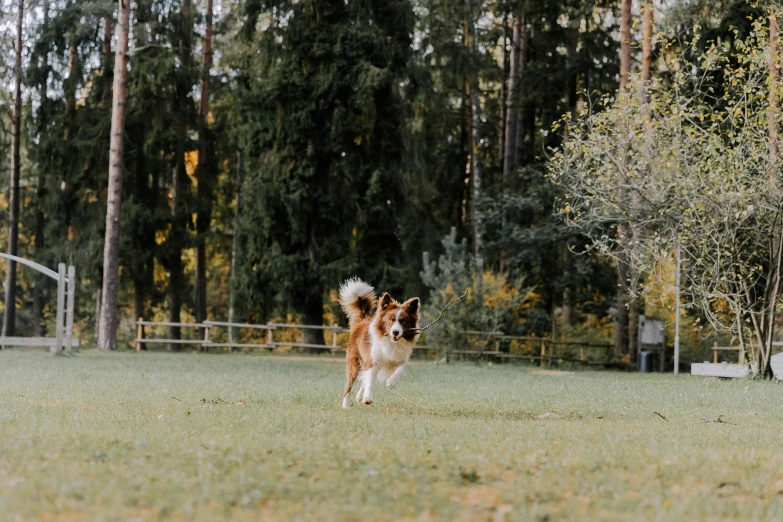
[264,151]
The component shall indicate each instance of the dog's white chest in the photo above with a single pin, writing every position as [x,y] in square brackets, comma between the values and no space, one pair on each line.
[383,350]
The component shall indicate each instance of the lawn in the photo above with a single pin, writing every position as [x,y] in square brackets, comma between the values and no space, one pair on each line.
[221,437]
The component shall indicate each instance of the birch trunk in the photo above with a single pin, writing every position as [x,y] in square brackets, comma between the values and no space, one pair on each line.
[512,107]
[475,166]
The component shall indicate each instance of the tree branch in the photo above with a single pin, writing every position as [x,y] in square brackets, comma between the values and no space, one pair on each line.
[442,312]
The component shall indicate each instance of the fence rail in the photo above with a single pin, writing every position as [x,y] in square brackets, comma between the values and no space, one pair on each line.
[548,347]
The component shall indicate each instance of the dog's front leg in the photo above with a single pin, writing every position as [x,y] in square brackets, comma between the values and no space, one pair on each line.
[394,378]
[369,379]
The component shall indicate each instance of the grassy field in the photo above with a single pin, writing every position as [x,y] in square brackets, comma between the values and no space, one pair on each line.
[202,437]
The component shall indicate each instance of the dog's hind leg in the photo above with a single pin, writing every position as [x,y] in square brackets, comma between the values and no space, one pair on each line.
[351,371]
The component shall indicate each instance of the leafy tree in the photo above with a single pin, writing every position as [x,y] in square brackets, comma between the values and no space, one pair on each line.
[692,170]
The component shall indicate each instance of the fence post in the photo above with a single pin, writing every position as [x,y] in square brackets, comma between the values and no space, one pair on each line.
[71,299]
[204,347]
[139,333]
[58,327]
[715,352]
[551,356]
[582,353]
[741,358]
[334,335]
[543,353]
[270,339]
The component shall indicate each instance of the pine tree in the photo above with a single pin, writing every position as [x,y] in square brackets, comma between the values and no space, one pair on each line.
[324,135]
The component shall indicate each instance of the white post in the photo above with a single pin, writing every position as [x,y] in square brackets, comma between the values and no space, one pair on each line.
[677,318]
[58,327]
[69,310]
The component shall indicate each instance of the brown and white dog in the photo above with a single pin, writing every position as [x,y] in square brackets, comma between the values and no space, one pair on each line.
[379,345]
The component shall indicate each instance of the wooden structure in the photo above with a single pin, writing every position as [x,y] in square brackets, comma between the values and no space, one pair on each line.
[206,342]
[707,369]
[550,349]
[66,293]
[716,348]
[776,362]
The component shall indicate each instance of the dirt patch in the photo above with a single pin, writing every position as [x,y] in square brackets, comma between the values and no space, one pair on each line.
[554,373]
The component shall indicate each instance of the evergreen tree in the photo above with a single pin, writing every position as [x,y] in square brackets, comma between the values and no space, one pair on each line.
[324,141]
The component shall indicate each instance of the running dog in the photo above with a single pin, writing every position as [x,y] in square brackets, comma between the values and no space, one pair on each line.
[379,345]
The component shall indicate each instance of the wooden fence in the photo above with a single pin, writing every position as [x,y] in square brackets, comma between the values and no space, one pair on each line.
[550,349]
[546,349]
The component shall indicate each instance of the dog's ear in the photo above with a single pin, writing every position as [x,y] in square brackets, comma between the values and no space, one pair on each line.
[384,301]
[411,305]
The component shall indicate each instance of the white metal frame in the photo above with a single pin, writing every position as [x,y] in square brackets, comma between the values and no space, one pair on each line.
[66,291]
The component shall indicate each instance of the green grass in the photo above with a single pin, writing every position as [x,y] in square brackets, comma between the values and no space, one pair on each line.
[202,437]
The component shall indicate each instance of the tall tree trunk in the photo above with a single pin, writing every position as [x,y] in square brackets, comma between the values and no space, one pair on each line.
[105,54]
[178,230]
[569,293]
[475,164]
[625,44]
[622,319]
[637,307]
[138,304]
[236,251]
[512,106]
[40,195]
[765,351]
[176,286]
[774,103]
[503,94]
[9,318]
[314,315]
[107,331]
[647,30]
[204,182]
[523,111]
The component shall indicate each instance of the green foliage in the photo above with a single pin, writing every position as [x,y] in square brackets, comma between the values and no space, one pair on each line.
[343,131]
[322,133]
[451,277]
[692,169]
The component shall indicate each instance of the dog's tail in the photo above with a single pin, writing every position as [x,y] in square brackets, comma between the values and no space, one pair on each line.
[357,299]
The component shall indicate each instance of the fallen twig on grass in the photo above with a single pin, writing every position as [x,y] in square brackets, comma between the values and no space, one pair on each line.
[718,420]
[661,416]
[440,316]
